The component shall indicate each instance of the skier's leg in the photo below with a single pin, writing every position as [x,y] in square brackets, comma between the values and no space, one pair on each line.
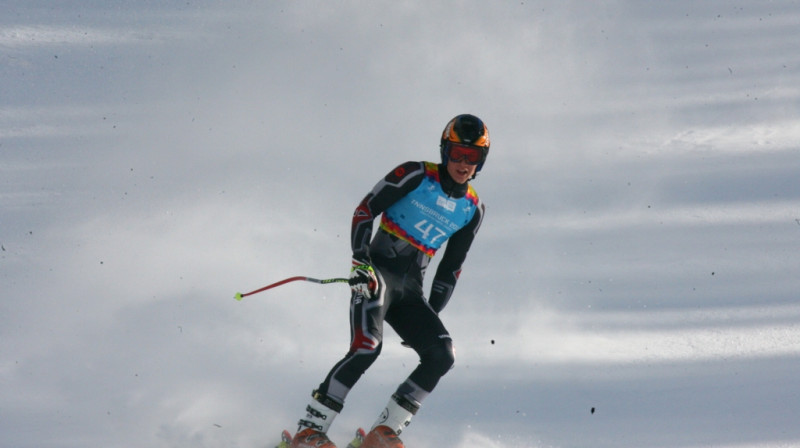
[366,325]
[366,342]
[422,329]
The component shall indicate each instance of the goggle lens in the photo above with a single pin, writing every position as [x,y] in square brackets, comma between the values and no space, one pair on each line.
[467,154]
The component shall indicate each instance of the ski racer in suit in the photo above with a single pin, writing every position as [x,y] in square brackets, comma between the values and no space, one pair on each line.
[421,206]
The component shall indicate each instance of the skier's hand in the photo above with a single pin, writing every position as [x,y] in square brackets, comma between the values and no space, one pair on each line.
[362,279]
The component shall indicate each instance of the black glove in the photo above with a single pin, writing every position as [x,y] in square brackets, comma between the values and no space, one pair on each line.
[362,279]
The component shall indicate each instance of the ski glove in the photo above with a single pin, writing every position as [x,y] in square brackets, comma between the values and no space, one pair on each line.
[362,279]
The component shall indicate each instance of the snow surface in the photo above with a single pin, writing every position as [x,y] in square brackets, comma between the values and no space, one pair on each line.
[639,256]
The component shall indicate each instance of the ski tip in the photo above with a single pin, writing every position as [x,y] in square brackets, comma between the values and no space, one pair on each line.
[358,439]
[286,440]
[238,296]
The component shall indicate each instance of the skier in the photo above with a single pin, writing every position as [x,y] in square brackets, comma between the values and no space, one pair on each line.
[423,204]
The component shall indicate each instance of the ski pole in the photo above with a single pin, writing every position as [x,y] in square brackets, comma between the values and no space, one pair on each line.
[240,295]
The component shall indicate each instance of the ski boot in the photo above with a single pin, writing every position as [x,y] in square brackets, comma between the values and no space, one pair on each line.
[382,437]
[311,438]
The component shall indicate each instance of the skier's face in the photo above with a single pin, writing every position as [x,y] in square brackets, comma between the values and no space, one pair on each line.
[461,172]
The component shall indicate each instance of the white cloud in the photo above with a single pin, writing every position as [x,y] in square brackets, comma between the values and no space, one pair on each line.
[22,36]
[638,245]
[775,135]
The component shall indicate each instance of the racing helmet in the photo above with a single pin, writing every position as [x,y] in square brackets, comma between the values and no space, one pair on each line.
[468,132]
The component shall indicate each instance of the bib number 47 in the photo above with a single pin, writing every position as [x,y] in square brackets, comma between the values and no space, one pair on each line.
[429,232]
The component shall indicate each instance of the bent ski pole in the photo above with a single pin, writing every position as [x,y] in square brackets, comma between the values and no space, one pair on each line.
[240,295]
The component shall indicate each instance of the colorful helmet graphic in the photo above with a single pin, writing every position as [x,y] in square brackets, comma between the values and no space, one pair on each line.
[467,138]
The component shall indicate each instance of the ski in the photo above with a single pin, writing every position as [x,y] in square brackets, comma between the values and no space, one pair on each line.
[358,439]
[286,440]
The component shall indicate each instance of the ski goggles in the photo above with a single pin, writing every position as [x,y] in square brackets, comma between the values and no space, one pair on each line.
[471,155]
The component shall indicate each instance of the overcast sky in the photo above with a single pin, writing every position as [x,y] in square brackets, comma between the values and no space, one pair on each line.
[639,254]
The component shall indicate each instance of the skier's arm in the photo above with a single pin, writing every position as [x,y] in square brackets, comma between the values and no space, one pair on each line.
[389,190]
[450,266]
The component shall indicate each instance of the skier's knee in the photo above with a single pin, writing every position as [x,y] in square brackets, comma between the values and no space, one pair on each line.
[366,356]
[439,358]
